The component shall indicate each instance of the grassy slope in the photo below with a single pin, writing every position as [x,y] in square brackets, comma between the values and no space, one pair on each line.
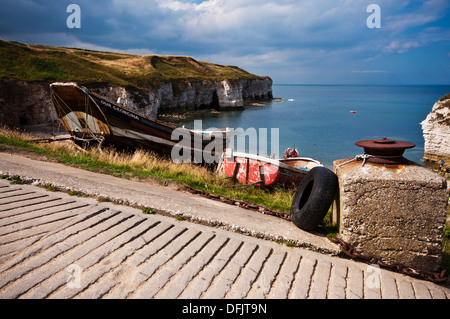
[44,63]
[142,165]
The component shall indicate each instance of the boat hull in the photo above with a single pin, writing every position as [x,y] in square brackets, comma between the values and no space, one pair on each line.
[262,171]
[90,117]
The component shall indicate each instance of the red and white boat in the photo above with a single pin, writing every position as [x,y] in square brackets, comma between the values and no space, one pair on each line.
[264,171]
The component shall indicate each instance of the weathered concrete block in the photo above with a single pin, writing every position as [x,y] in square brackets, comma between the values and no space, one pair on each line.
[395,212]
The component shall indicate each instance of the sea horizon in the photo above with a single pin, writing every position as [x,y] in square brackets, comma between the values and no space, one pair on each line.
[358,84]
[324,121]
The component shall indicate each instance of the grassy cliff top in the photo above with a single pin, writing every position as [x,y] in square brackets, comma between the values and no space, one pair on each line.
[48,64]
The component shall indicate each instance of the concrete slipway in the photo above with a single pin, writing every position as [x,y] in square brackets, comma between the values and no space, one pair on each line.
[58,246]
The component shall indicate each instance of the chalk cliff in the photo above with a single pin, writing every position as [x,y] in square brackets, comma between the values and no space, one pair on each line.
[199,94]
[25,103]
[28,103]
[436,131]
[150,84]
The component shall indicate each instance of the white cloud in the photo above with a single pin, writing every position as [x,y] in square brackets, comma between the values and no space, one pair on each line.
[246,20]
[268,37]
[185,6]
[370,71]
[402,47]
[401,18]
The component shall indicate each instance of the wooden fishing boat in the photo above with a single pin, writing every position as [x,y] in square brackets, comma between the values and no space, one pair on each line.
[264,171]
[91,118]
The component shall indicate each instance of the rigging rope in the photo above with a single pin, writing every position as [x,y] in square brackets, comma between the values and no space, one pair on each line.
[58,101]
[363,158]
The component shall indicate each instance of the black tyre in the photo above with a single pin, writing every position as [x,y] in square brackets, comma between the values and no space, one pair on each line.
[314,196]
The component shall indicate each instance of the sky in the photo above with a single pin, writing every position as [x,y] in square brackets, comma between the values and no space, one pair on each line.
[292,41]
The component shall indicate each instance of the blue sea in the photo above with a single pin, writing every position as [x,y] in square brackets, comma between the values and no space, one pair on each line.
[318,118]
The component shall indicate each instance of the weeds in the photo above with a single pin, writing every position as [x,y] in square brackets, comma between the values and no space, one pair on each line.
[75,193]
[104,199]
[13,179]
[446,247]
[51,188]
[148,211]
[290,244]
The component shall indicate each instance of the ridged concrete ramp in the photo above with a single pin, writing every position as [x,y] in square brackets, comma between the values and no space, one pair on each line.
[58,246]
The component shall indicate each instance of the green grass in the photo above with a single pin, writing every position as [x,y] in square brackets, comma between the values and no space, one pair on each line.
[13,179]
[290,244]
[148,211]
[446,245]
[142,166]
[75,193]
[51,188]
[44,63]
[16,180]
[104,199]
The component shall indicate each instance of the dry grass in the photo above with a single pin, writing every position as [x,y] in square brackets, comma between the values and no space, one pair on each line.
[147,161]
[142,165]
[139,159]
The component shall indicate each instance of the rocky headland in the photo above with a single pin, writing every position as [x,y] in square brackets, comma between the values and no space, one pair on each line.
[436,131]
[152,85]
